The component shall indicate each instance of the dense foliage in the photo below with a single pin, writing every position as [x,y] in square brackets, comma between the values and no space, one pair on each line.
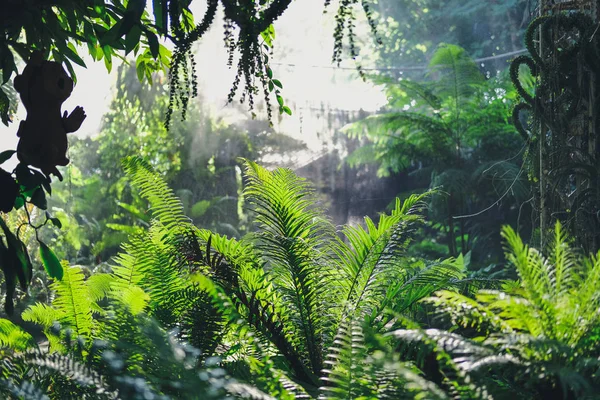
[196,272]
[453,133]
[293,311]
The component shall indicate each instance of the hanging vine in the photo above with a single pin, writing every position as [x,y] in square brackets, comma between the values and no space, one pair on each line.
[252,22]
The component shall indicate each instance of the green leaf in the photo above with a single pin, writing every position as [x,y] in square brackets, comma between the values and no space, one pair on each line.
[159,9]
[5,155]
[94,51]
[19,202]
[71,52]
[269,72]
[38,199]
[271,87]
[153,43]
[107,57]
[268,35]
[287,110]
[280,100]
[140,68]
[277,83]
[132,38]
[16,256]
[50,261]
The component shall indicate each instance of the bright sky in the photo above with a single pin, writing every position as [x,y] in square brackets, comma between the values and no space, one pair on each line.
[304,37]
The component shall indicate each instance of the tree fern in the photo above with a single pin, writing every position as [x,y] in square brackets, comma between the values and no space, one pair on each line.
[459,75]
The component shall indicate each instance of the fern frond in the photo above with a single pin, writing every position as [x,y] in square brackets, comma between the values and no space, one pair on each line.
[73,301]
[370,262]
[41,314]
[200,323]
[13,337]
[457,358]
[134,298]
[294,238]
[165,206]
[467,313]
[416,130]
[421,388]
[535,273]
[459,74]
[99,287]
[125,270]
[72,306]
[346,375]
[561,264]
[262,316]
[26,390]
[417,90]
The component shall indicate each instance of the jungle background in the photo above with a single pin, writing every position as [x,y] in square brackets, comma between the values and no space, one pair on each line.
[199,242]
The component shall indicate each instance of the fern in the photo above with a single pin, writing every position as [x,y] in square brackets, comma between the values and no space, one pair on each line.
[542,327]
[347,376]
[293,241]
[371,263]
[165,207]
[13,337]
[72,306]
[460,75]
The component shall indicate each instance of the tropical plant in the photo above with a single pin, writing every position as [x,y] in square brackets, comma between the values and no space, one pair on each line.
[96,207]
[411,29]
[285,290]
[293,282]
[134,359]
[452,133]
[535,338]
[118,28]
[293,311]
